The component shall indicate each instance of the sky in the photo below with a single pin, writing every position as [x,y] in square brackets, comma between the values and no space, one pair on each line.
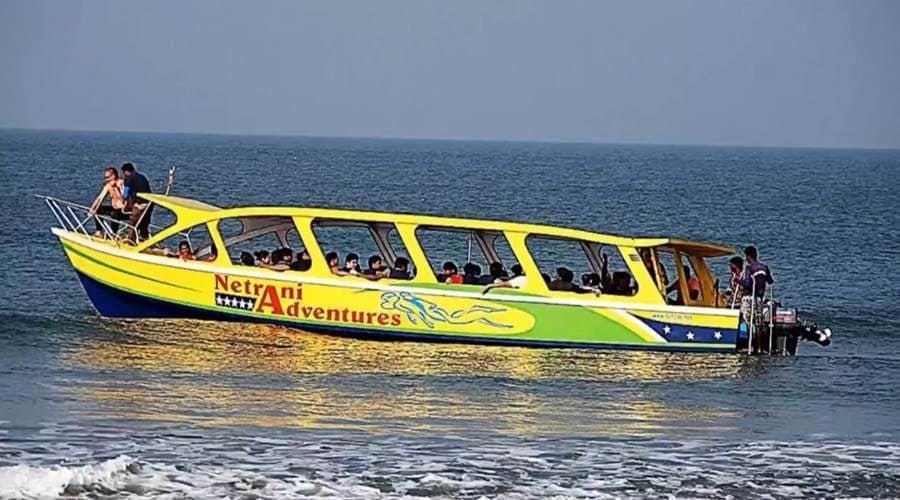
[777,73]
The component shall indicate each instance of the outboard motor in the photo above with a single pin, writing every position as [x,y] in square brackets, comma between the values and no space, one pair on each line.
[787,327]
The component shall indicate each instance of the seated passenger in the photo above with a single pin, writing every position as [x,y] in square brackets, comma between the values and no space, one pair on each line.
[563,280]
[351,265]
[280,260]
[334,263]
[450,274]
[400,271]
[693,285]
[518,281]
[376,267]
[247,259]
[302,263]
[621,284]
[497,274]
[516,270]
[262,257]
[591,281]
[546,278]
[471,273]
[184,251]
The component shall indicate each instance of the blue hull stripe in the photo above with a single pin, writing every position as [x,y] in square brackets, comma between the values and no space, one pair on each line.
[114,303]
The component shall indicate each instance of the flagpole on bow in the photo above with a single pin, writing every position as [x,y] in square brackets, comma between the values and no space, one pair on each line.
[170,183]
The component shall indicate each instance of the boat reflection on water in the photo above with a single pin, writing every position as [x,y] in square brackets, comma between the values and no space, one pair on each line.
[214,374]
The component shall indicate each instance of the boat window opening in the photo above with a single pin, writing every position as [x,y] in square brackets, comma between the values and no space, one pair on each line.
[161,218]
[694,286]
[368,242]
[194,243]
[399,250]
[470,252]
[504,251]
[670,275]
[269,242]
[293,240]
[574,265]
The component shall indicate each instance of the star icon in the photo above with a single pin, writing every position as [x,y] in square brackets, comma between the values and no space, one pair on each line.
[219,300]
[690,335]
[667,329]
[718,335]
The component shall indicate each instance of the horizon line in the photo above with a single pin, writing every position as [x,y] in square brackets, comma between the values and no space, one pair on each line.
[458,139]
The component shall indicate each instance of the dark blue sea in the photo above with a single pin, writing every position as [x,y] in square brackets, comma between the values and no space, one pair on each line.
[93,408]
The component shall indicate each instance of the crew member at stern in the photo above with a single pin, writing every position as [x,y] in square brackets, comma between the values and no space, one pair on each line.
[136,182]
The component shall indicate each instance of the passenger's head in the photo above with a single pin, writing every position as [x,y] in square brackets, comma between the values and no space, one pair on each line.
[736,264]
[301,265]
[262,256]
[110,174]
[283,256]
[565,274]
[351,261]
[591,279]
[303,255]
[497,270]
[401,264]
[127,169]
[750,253]
[332,259]
[546,278]
[449,268]
[375,262]
[517,270]
[213,250]
[247,259]
[184,249]
[471,269]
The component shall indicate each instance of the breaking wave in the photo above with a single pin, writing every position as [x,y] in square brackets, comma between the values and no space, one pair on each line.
[253,467]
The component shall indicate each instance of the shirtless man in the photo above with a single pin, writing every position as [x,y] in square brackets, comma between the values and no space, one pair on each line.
[112,189]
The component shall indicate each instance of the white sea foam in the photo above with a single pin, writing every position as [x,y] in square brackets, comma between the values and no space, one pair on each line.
[248,467]
[50,482]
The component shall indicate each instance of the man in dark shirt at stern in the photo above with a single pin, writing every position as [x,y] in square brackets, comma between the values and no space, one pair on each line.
[136,182]
[756,274]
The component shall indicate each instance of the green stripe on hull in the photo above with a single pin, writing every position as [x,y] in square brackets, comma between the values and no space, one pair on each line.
[81,254]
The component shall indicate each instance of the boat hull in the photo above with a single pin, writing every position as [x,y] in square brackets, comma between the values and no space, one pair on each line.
[123,284]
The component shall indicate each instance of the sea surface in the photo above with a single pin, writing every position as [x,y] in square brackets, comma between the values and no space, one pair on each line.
[93,408]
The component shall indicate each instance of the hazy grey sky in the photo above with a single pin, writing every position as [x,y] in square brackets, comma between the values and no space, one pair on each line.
[813,72]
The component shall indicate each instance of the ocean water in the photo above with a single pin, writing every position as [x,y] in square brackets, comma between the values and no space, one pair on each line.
[93,408]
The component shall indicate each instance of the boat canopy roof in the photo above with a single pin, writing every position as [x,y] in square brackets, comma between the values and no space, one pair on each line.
[176,203]
[198,210]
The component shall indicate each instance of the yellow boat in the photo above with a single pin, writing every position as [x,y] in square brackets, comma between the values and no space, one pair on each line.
[633,310]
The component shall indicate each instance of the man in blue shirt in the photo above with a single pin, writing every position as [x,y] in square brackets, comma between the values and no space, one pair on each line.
[756,275]
[136,182]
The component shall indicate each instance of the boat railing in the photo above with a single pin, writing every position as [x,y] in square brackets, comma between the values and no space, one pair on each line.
[77,218]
